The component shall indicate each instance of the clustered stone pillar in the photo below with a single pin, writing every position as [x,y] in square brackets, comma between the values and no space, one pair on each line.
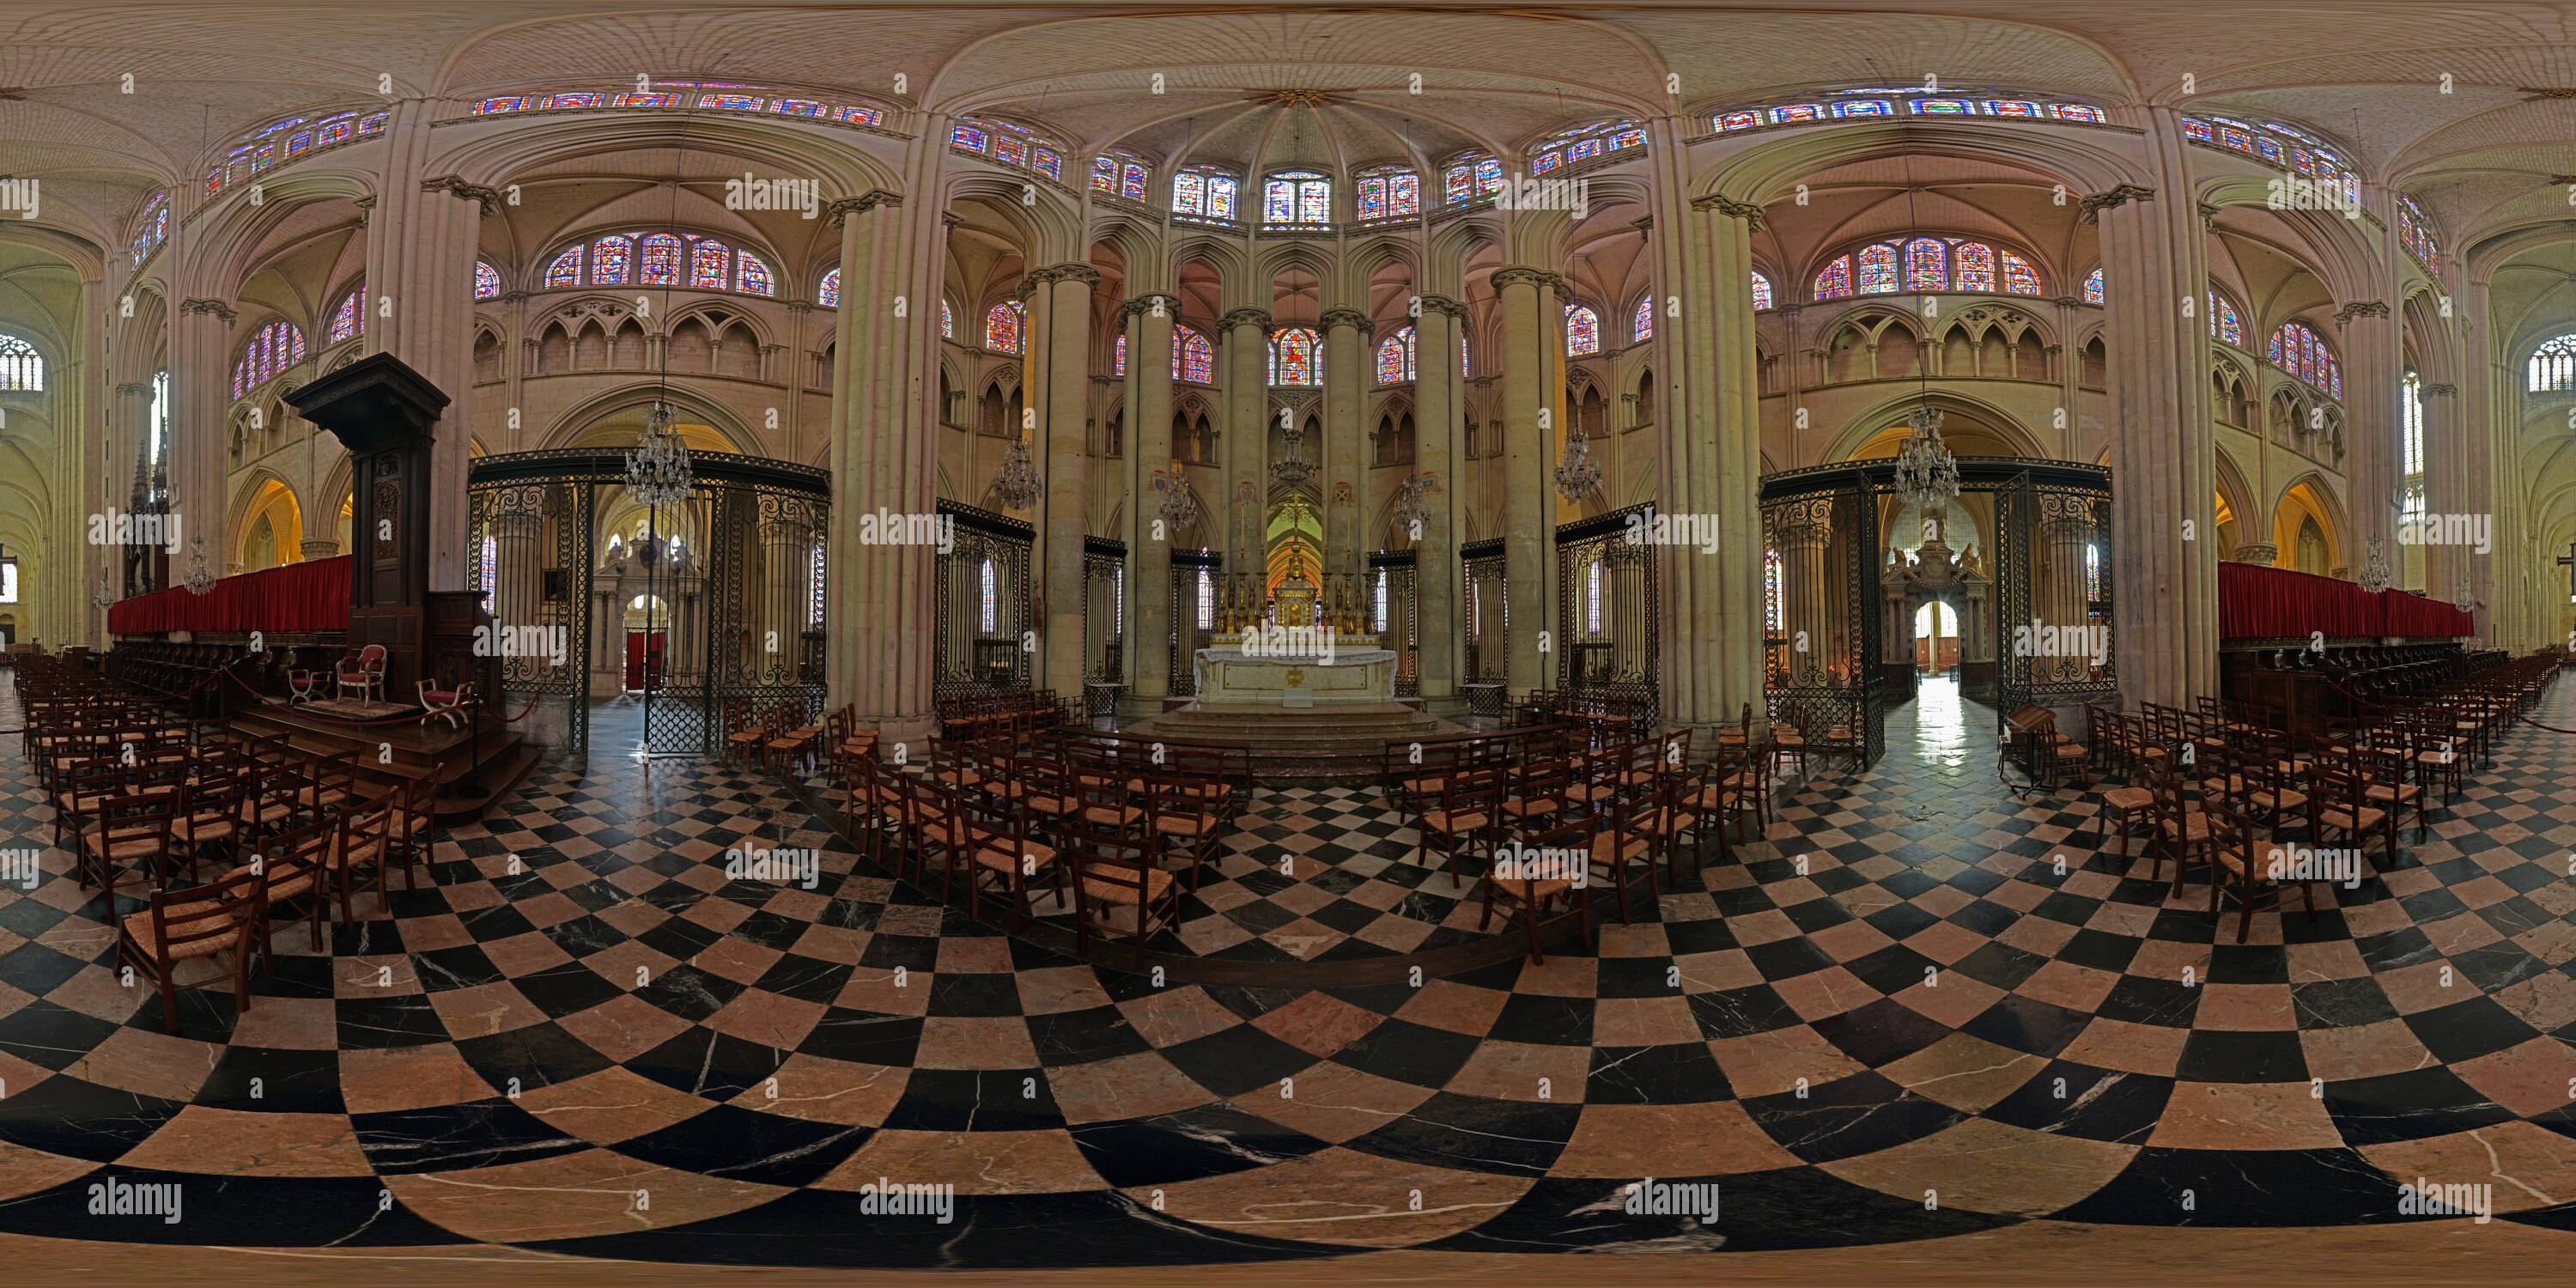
[1247,442]
[1531,326]
[786,555]
[1436,402]
[2064,535]
[1149,539]
[1346,335]
[2450,458]
[2376,431]
[2164,559]
[1059,378]
[200,346]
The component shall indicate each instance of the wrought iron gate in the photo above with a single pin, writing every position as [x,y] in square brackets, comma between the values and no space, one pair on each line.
[1489,608]
[2053,584]
[1396,616]
[983,639]
[1196,576]
[1605,604]
[1104,623]
[730,579]
[1823,668]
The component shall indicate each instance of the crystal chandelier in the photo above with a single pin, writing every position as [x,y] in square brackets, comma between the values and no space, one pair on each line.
[200,577]
[1577,475]
[105,594]
[657,467]
[1292,467]
[1180,506]
[1017,485]
[2374,574]
[1927,475]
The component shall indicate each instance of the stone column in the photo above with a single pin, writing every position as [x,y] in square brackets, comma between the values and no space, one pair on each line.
[1718,463]
[201,343]
[2374,385]
[2449,463]
[885,456]
[1440,602]
[421,247]
[2164,562]
[786,549]
[2063,536]
[1346,368]
[130,427]
[1058,370]
[1246,451]
[1531,351]
[1150,319]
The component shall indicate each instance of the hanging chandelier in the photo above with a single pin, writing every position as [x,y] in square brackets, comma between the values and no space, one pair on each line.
[1292,467]
[1577,474]
[1927,475]
[1411,512]
[1016,485]
[657,467]
[2374,574]
[200,577]
[1180,506]
[104,595]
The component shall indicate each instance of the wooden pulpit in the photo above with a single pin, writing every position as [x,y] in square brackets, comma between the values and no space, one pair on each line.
[387,415]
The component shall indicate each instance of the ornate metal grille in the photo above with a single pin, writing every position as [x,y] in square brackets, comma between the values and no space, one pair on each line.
[1605,603]
[2053,560]
[1488,609]
[1104,623]
[1188,636]
[984,639]
[729,573]
[1403,630]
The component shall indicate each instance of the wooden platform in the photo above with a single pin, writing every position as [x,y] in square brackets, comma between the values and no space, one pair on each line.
[394,752]
[1320,744]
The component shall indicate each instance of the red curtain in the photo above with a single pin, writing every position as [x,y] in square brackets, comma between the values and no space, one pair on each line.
[308,596]
[2255,602]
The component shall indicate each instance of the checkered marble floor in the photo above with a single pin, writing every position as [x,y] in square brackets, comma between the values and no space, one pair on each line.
[1920,1008]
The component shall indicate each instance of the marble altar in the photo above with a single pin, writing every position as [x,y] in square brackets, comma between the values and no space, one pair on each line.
[1253,671]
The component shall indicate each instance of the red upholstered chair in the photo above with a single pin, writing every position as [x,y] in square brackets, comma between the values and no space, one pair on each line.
[365,672]
[447,705]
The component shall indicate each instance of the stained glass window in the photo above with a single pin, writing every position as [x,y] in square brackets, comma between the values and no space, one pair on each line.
[488,570]
[805,107]
[2297,350]
[1118,356]
[2223,324]
[2553,366]
[1761,292]
[2092,573]
[2019,277]
[1865,107]
[1927,265]
[566,270]
[661,261]
[1737,121]
[731,102]
[947,322]
[504,103]
[1193,358]
[988,612]
[859,116]
[1002,327]
[1592,598]
[1204,193]
[1976,266]
[611,261]
[1457,183]
[1296,357]
[645,100]
[1377,617]
[1395,357]
[2414,413]
[1207,601]
[151,227]
[1104,174]
[1131,181]
[814,585]
[567,101]
[1046,161]
[967,137]
[22,368]
[2093,288]
[2415,232]
[1582,330]
[707,265]
[1388,194]
[751,275]
[1489,174]
[1006,148]
[1877,269]
[350,318]
[487,281]
[1834,282]
[1797,112]
[1641,325]
[1297,197]
[274,348]
[1463,373]
[1771,570]
[828,294]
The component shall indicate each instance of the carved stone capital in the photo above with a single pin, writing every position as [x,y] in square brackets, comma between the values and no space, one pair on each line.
[134,387]
[1144,304]
[1349,317]
[1747,211]
[845,207]
[1522,274]
[484,197]
[1246,317]
[2095,203]
[2360,309]
[800,306]
[514,297]
[1071,272]
[200,305]
[2208,215]
[1444,304]
[2256,552]
[2446,391]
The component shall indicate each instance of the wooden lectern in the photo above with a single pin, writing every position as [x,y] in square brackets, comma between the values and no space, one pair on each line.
[387,414]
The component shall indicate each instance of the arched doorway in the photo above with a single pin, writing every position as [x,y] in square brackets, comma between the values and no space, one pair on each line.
[1936,638]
